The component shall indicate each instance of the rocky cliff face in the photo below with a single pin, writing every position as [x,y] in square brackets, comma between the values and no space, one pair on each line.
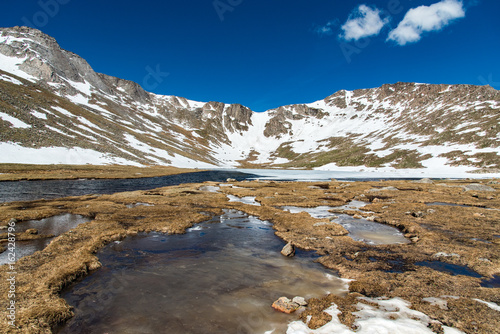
[51,101]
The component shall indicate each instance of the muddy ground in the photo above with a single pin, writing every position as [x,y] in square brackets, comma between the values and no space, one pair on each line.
[466,236]
[17,172]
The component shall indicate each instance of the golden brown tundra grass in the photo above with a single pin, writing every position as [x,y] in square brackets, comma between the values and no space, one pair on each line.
[457,235]
[16,172]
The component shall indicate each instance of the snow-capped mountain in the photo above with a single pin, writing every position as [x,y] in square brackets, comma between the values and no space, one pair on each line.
[54,108]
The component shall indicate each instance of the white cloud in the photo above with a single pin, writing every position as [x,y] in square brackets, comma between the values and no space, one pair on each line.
[327,29]
[363,22]
[424,19]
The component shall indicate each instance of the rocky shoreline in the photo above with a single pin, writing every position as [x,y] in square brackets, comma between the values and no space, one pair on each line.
[453,223]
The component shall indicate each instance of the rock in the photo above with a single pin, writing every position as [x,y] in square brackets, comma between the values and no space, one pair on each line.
[477,187]
[383,189]
[299,300]
[31,231]
[415,239]
[479,215]
[424,180]
[371,218]
[288,250]
[357,216]
[285,305]
[231,180]
[443,254]
[3,227]
[418,214]
[431,211]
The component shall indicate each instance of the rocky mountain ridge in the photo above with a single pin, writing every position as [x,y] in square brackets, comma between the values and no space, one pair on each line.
[54,108]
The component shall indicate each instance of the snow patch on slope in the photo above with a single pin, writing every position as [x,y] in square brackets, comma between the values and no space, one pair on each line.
[14,121]
[11,65]
[14,153]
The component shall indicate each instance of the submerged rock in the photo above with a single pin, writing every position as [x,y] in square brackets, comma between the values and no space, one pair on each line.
[32,231]
[288,250]
[285,305]
[231,180]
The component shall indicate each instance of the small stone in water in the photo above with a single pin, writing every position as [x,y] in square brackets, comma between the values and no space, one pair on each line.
[299,300]
[288,250]
[285,305]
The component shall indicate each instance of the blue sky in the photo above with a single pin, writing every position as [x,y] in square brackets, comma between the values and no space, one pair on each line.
[268,53]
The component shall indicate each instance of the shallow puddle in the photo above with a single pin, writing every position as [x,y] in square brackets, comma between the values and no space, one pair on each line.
[371,232]
[55,225]
[134,205]
[318,212]
[353,205]
[359,229]
[452,269]
[448,204]
[220,277]
[245,200]
[491,282]
[211,189]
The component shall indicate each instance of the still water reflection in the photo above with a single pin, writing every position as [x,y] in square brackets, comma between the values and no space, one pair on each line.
[220,277]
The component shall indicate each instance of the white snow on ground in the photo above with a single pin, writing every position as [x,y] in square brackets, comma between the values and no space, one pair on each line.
[391,316]
[491,305]
[14,153]
[183,162]
[14,121]
[38,114]
[83,87]
[11,65]
[63,111]
[10,79]
[86,122]
[61,132]
[364,173]
[158,154]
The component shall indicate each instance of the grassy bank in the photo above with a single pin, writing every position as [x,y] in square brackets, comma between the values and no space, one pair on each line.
[17,172]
